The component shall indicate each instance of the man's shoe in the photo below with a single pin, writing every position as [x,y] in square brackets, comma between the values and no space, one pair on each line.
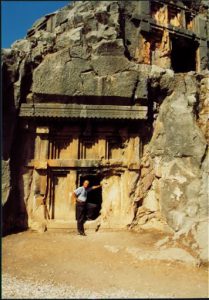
[81,233]
[97,228]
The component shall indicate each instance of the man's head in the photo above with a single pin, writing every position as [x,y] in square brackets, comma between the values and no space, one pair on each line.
[86,183]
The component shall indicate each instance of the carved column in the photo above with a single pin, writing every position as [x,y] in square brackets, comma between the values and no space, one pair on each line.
[40,169]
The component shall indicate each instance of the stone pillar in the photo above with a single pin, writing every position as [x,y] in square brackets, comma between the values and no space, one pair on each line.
[74,148]
[71,178]
[202,56]
[143,51]
[134,150]
[41,155]
[183,19]
[42,143]
[162,53]
[200,27]
[40,173]
[101,148]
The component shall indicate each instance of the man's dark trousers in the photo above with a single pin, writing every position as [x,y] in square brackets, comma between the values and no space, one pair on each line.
[80,215]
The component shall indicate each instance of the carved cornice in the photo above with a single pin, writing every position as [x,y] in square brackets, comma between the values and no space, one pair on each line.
[55,110]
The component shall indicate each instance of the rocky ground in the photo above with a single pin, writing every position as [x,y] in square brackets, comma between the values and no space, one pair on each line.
[104,264]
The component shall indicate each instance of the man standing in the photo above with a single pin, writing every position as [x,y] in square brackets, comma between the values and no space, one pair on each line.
[81,195]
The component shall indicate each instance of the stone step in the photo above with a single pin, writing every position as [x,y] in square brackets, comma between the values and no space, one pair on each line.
[69,225]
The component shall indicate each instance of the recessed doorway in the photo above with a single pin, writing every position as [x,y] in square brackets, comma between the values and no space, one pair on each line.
[183,55]
[94,198]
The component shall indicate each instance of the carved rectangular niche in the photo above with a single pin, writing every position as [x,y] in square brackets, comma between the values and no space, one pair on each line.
[88,148]
[159,13]
[113,147]
[189,18]
[175,17]
[60,147]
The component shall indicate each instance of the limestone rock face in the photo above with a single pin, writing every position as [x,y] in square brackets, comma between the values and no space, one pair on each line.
[110,55]
[178,144]
[174,169]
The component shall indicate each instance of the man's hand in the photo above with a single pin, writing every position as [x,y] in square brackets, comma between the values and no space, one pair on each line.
[96,187]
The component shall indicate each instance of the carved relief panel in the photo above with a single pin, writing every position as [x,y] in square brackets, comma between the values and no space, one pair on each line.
[88,148]
[60,147]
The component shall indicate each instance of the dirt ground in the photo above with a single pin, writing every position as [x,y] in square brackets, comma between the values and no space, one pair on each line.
[99,265]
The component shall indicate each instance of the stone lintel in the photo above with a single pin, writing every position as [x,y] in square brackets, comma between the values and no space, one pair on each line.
[55,110]
[179,31]
[149,24]
[37,164]
[82,163]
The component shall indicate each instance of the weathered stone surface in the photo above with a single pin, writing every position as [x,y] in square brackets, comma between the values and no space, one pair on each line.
[63,75]
[204,106]
[181,162]
[6,188]
[108,65]
[170,254]
[155,172]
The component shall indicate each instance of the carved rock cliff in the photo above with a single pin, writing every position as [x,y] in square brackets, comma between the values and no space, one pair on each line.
[149,60]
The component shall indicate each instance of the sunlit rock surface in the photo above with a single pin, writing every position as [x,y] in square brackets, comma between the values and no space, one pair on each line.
[116,92]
